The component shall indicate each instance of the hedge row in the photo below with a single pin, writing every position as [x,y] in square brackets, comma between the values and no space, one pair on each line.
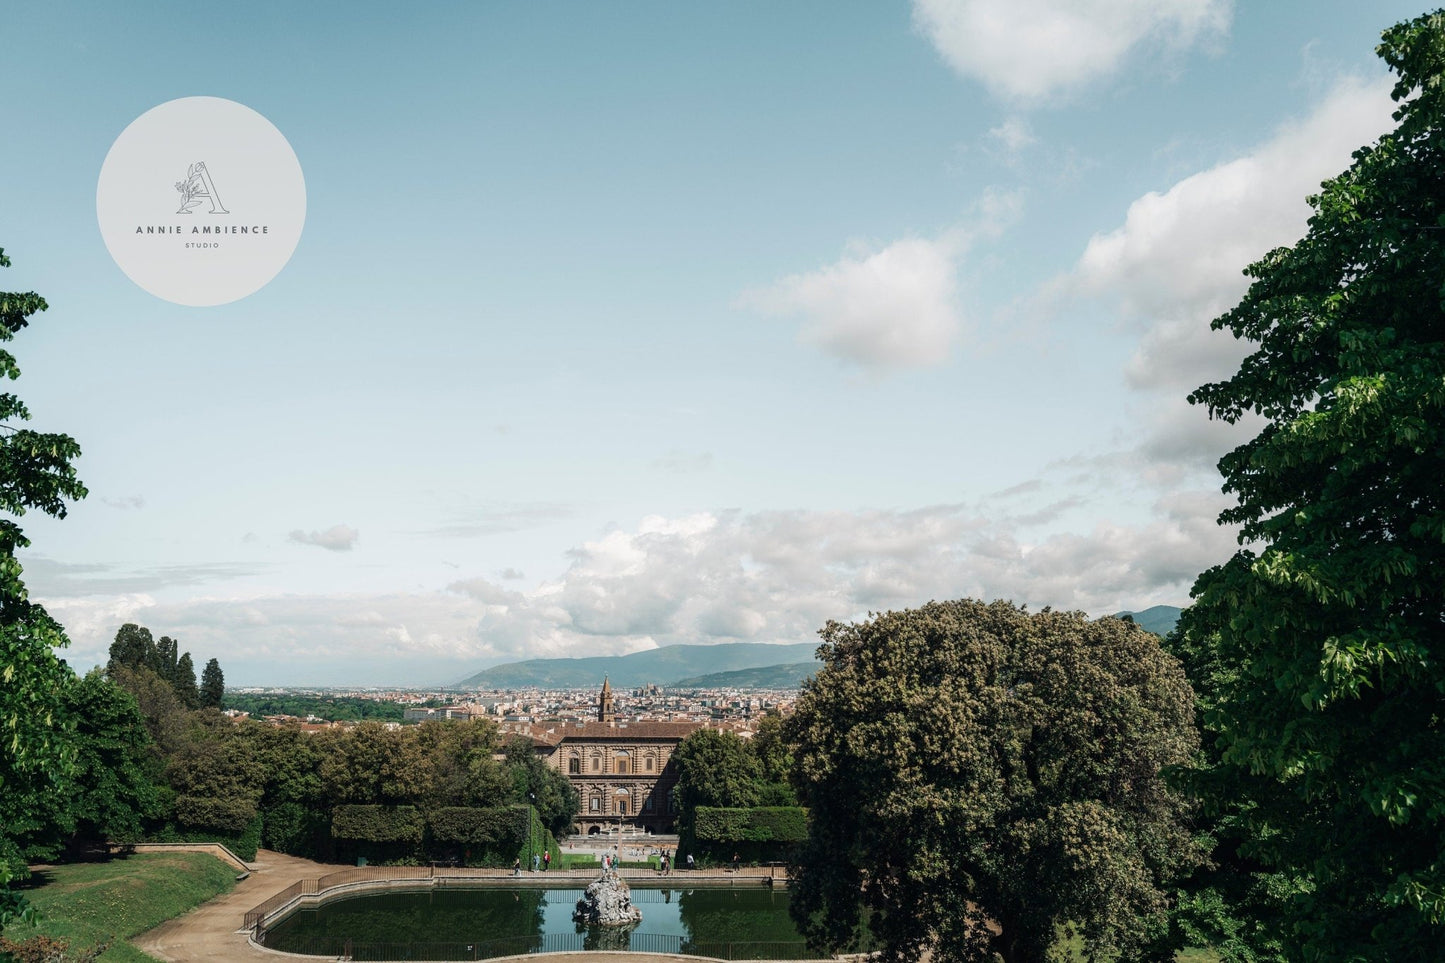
[378,824]
[760,824]
[469,824]
[478,836]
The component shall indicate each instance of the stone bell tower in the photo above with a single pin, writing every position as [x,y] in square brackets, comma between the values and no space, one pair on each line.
[605,710]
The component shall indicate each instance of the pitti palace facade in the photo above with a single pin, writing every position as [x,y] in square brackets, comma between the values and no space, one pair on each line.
[622,770]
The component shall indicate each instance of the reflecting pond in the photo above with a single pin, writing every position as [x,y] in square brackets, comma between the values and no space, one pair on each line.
[465,924]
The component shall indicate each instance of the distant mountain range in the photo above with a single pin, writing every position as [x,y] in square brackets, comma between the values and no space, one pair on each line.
[739,665]
[1159,619]
[661,666]
[789,676]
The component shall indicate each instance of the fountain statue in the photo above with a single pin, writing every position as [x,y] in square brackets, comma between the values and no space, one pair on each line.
[607,902]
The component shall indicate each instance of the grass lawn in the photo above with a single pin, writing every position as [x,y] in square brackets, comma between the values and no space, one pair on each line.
[92,903]
[579,861]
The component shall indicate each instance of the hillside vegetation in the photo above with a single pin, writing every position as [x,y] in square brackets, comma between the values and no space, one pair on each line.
[91,904]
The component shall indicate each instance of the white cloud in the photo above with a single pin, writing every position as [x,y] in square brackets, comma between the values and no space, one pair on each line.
[1180,253]
[1176,263]
[889,308]
[1029,50]
[337,538]
[712,577]
[1014,134]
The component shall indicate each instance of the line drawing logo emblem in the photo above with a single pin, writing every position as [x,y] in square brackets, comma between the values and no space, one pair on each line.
[198,186]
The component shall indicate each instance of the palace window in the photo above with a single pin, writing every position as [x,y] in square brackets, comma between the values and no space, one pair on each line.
[649,763]
[574,765]
[596,804]
[596,764]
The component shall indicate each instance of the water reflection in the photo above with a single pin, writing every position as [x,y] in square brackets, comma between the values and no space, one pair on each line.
[472,923]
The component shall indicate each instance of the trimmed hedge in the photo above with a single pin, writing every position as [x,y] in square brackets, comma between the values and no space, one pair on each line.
[760,824]
[474,835]
[377,824]
[209,812]
[474,825]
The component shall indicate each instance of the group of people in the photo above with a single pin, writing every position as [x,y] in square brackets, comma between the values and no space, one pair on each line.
[543,862]
[609,862]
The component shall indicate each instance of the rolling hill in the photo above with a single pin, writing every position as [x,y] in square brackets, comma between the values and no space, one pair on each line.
[788,676]
[658,666]
[1159,619]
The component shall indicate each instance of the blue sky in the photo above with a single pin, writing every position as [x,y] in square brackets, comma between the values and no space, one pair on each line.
[619,325]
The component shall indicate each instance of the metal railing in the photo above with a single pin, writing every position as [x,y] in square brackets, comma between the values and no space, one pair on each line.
[552,943]
[255,920]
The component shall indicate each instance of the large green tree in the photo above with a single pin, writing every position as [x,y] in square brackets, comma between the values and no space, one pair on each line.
[36,746]
[978,777]
[117,770]
[1320,645]
[538,784]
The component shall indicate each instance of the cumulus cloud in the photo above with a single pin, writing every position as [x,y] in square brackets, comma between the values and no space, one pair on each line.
[1176,263]
[890,308]
[711,577]
[337,538]
[886,308]
[1030,50]
[1180,252]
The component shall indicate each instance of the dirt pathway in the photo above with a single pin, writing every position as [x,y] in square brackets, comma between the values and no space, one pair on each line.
[210,931]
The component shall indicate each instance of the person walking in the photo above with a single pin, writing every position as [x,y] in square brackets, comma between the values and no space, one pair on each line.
[547,860]
[517,866]
[690,864]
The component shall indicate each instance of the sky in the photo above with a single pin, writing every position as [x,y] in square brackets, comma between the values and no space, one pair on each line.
[623,325]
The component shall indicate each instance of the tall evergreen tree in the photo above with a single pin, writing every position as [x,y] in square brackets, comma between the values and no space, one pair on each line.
[167,656]
[185,682]
[213,685]
[133,647]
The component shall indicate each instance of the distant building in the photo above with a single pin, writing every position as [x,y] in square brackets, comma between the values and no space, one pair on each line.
[623,771]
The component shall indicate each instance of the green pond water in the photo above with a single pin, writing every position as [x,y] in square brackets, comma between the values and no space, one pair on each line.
[462,924]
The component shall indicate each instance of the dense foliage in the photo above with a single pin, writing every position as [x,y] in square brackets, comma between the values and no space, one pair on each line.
[329,708]
[720,770]
[37,752]
[377,824]
[1319,648]
[758,824]
[983,776]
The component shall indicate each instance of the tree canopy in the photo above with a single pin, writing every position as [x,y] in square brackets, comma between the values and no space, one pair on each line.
[1320,646]
[213,685]
[982,776]
[36,746]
